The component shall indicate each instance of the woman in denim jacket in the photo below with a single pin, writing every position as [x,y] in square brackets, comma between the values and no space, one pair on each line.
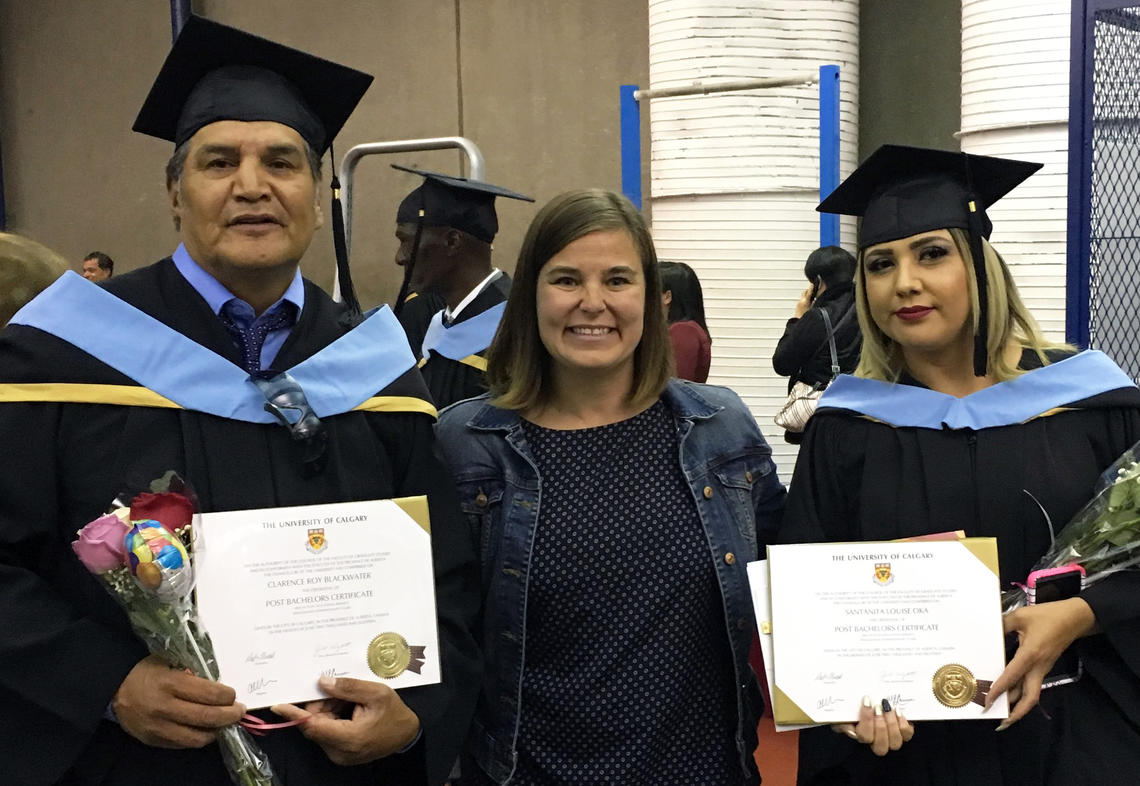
[615,510]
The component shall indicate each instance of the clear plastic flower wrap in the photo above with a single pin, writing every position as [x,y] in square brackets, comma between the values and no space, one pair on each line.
[141,554]
[1104,536]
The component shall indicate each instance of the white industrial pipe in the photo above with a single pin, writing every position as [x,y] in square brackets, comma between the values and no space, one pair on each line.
[734,177]
[1015,104]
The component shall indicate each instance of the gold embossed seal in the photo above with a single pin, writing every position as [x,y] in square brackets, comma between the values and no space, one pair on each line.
[389,655]
[954,685]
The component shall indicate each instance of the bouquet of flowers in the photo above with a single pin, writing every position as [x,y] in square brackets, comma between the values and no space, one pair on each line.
[1104,536]
[140,554]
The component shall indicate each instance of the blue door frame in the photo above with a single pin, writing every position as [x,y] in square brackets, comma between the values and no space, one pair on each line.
[1078,270]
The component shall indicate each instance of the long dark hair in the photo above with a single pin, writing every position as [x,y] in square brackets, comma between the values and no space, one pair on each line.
[688,302]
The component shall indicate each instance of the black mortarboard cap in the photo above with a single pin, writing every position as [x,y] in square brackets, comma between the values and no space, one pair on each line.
[446,201]
[215,72]
[455,202]
[901,191]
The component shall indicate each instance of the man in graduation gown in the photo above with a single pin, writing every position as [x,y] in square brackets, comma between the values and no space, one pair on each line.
[171,367]
[445,228]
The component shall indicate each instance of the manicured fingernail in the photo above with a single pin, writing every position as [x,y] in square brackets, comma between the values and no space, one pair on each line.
[851,733]
[326,682]
[1002,726]
[899,715]
[879,709]
[867,701]
[886,706]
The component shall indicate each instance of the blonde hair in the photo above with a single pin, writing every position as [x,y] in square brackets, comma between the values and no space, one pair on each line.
[26,269]
[1008,320]
[518,364]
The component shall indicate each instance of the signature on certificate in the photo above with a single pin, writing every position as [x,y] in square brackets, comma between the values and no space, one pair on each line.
[334,672]
[829,676]
[259,686]
[331,650]
[260,657]
[897,676]
[826,703]
[897,700]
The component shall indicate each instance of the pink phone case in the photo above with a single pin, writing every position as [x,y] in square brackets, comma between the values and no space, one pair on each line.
[1046,572]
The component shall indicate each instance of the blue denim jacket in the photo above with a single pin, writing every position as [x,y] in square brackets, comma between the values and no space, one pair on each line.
[729,469]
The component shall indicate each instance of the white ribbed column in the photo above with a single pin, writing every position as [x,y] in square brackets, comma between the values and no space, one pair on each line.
[735,176]
[1015,104]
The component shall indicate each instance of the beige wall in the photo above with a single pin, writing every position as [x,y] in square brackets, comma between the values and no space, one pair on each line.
[533,82]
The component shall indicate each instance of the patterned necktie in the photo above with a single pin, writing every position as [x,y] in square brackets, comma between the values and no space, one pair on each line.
[250,339]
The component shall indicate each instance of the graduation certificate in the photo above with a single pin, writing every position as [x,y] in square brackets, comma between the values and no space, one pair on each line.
[917,623]
[344,590]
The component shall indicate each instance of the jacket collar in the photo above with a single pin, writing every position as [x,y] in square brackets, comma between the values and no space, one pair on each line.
[836,292]
[683,398]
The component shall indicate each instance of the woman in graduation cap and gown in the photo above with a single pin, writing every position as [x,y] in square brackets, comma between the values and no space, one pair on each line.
[105,389]
[962,417]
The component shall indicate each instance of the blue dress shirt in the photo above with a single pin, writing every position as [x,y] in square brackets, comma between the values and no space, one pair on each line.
[216,295]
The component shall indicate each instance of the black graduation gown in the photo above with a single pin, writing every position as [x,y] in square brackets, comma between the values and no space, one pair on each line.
[415,316]
[66,646]
[858,479]
[455,380]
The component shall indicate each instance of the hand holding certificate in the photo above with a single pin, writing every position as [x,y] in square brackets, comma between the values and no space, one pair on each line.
[341,590]
[917,623]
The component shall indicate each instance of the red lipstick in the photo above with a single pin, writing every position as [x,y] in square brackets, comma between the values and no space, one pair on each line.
[913,313]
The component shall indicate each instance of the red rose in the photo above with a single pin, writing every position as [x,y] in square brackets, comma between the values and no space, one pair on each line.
[172,511]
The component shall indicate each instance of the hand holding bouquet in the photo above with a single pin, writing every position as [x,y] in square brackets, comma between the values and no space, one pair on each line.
[140,554]
[1104,536]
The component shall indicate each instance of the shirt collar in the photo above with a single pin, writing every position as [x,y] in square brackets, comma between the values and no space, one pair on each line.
[215,293]
[450,315]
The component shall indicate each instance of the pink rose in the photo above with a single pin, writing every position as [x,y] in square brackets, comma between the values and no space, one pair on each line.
[101,545]
[172,511]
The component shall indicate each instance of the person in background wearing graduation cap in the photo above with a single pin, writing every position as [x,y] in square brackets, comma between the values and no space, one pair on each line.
[445,228]
[961,416]
[173,367]
[616,508]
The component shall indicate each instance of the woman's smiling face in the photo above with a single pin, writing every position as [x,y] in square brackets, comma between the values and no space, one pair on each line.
[591,304]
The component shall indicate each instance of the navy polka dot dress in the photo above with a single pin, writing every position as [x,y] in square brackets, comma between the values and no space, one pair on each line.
[628,672]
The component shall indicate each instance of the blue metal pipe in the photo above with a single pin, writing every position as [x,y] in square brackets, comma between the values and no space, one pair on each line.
[828,150]
[630,145]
